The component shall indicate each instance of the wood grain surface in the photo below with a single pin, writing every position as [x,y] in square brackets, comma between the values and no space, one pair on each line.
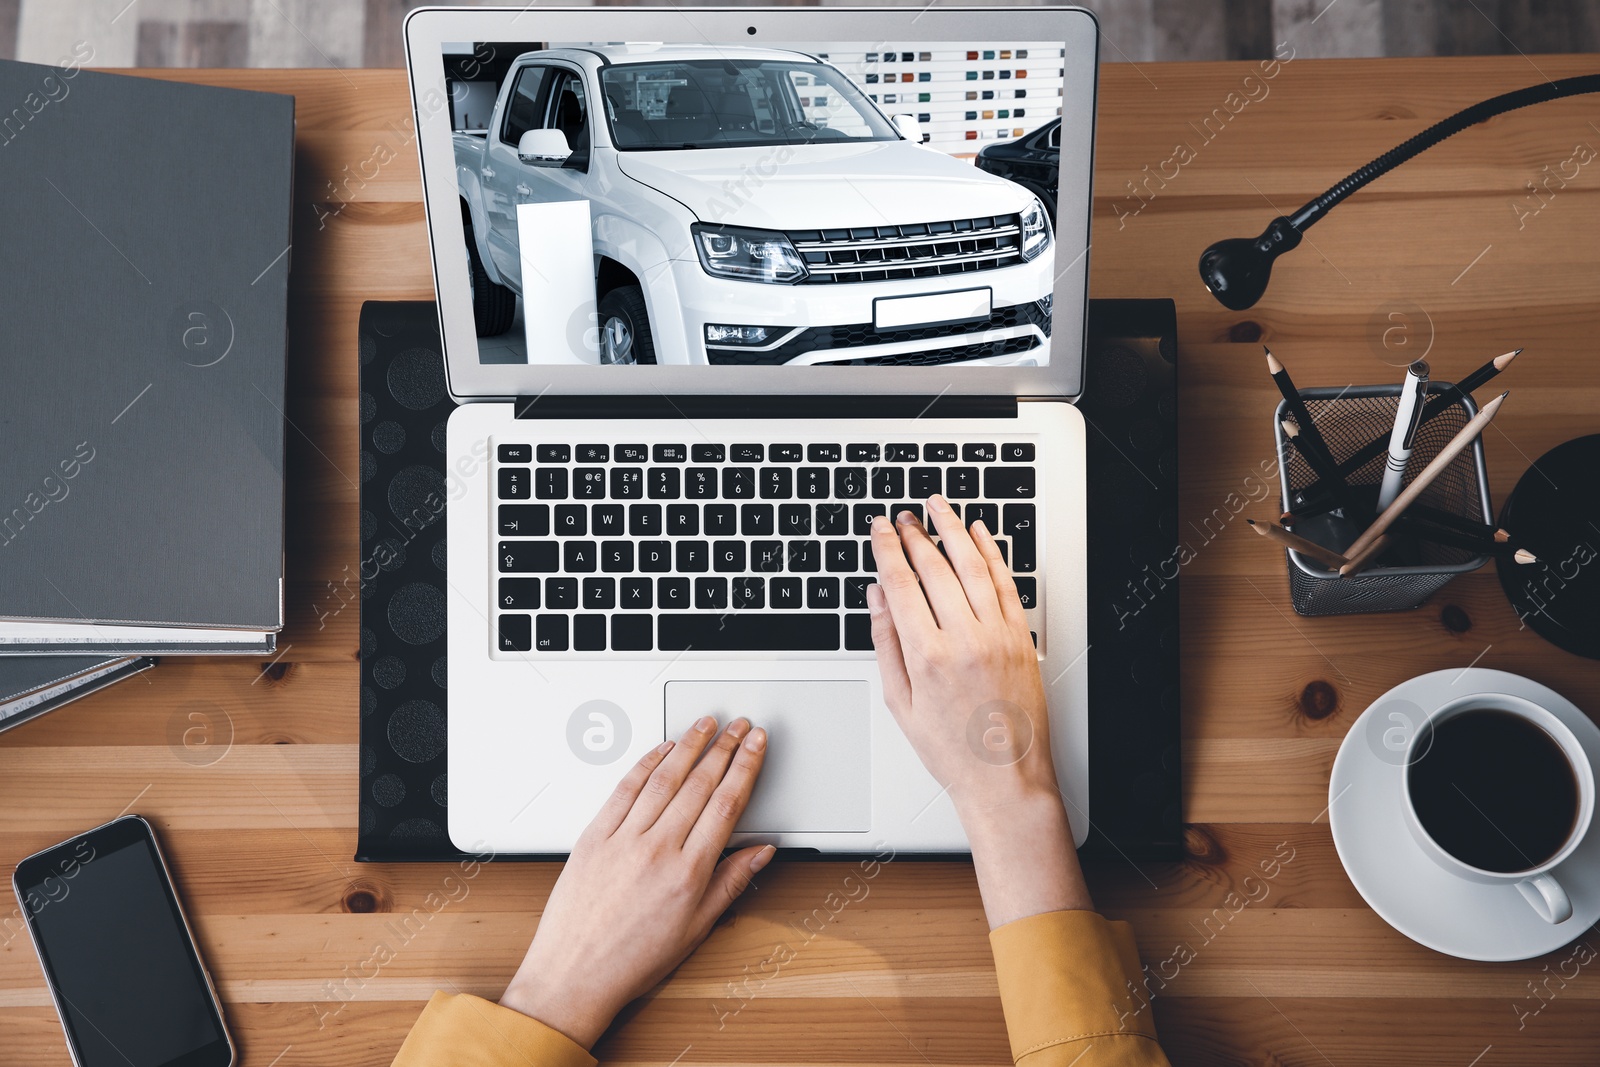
[261,824]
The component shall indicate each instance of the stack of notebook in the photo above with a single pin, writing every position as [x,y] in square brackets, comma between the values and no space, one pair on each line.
[143,291]
[33,685]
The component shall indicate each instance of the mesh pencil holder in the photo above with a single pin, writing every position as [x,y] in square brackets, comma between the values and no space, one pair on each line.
[1348,419]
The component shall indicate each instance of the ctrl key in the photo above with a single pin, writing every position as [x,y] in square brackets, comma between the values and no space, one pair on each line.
[516,632]
[551,635]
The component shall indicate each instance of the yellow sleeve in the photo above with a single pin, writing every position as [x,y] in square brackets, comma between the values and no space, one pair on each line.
[468,1031]
[1072,990]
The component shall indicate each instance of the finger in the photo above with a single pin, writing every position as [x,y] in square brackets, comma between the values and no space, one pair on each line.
[970,568]
[680,816]
[618,804]
[711,830]
[945,596]
[913,619]
[731,878]
[665,781]
[1005,587]
[891,658]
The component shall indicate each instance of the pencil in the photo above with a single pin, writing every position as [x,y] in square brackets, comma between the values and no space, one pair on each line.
[1297,407]
[1453,393]
[1426,530]
[1440,517]
[1432,515]
[1360,562]
[1319,460]
[1425,477]
[1522,555]
[1310,549]
[1314,496]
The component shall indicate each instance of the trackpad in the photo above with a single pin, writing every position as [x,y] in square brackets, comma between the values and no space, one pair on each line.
[818,774]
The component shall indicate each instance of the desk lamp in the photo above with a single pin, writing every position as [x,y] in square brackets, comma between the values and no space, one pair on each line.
[1237,270]
[1560,515]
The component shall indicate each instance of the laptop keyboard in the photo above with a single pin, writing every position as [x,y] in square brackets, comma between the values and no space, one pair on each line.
[728,547]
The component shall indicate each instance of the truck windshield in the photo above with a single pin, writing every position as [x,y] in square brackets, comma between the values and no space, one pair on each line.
[720,103]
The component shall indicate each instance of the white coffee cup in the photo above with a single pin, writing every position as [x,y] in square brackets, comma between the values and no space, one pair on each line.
[1536,884]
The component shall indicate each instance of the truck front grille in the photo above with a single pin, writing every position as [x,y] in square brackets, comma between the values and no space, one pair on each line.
[915,250]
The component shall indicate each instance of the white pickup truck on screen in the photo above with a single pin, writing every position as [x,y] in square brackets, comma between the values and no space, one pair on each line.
[750,206]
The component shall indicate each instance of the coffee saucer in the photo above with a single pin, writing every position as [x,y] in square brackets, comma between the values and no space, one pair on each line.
[1406,888]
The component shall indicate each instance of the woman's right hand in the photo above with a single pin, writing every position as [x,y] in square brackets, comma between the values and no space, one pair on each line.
[959,669]
[961,677]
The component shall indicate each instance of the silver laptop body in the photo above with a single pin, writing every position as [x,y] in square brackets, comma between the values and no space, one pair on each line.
[715,286]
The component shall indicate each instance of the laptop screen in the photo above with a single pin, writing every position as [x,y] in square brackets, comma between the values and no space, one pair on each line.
[803,204]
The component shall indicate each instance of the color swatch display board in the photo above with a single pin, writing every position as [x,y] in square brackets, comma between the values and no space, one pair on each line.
[964,97]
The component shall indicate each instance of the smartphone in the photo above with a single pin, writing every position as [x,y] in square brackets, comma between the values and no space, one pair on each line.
[118,954]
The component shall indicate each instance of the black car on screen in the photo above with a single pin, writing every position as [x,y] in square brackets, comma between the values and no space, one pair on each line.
[1032,161]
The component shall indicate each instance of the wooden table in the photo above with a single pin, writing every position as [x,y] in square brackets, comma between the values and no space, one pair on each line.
[262,837]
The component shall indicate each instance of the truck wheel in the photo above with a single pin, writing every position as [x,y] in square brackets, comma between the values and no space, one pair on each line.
[625,327]
[494,307]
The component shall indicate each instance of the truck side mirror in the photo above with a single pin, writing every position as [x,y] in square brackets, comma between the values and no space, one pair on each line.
[544,148]
[910,128]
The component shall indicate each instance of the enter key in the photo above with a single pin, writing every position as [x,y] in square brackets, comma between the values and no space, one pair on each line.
[1019,522]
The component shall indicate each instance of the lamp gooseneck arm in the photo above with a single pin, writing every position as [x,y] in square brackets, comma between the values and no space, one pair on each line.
[1237,269]
[1439,131]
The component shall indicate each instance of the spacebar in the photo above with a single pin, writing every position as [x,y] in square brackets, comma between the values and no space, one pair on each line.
[682,631]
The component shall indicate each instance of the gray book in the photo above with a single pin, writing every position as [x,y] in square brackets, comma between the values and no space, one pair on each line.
[33,685]
[143,296]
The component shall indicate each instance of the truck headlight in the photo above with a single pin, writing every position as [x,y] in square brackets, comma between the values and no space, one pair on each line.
[749,255]
[719,334]
[1035,230]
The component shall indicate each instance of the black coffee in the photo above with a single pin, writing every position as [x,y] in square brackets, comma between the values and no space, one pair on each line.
[1494,790]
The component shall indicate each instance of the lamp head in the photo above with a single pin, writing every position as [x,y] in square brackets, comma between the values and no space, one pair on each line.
[1237,270]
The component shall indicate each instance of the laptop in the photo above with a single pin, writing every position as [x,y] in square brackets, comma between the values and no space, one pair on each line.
[715,287]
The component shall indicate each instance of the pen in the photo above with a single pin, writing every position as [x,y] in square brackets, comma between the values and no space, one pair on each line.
[1407,417]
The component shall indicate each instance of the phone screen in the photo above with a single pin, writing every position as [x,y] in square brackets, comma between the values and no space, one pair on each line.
[129,987]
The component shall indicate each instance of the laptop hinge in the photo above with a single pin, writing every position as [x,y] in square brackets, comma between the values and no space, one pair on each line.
[696,406]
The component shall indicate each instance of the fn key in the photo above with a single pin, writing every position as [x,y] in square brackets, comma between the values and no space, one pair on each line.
[516,633]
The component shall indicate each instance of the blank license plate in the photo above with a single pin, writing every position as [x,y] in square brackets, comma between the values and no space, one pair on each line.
[893,312]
